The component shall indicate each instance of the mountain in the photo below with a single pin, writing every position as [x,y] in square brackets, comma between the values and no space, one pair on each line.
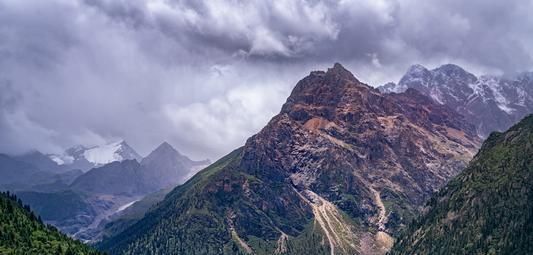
[166,167]
[491,103]
[116,178]
[80,157]
[24,233]
[40,161]
[13,171]
[21,173]
[337,171]
[82,207]
[162,168]
[488,208]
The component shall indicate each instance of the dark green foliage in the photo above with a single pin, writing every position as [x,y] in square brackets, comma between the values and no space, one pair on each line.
[487,209]
[400,208]
[21,232]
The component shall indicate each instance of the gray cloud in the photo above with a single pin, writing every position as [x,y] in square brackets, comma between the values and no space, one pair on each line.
[205,75]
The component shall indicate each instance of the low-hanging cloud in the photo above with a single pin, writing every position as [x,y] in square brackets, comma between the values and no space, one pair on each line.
[205,75]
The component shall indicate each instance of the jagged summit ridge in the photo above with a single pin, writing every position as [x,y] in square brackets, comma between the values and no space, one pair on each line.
[339,71]
[491,102]
[323,89]
[165,147]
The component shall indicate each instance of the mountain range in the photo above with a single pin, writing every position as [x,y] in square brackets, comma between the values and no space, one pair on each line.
[339,170]
[490,102]
[77,201]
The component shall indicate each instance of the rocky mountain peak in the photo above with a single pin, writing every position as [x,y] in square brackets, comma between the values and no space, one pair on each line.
[452,75]
[491,102]
[417,69]
[450,68]
[321,93]
[165,148]
[340,72]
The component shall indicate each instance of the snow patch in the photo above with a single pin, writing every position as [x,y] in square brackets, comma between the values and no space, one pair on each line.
[57,159]
[104,154]
[495,87]
[436,95]
[122,208]
[61,159]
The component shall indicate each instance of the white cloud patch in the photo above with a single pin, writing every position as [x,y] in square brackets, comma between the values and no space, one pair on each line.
[205,75]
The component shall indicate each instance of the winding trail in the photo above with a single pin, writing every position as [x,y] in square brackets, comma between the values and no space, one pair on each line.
[384,241]
[336,229]
[382,215]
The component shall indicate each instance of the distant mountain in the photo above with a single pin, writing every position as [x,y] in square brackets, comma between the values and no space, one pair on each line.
[16,175]
[116,178]
[491,103]
[24,233]
[339,170]
[13,171]
[41,162]
[488,208]
[81,207]
[80,157]
[166,167]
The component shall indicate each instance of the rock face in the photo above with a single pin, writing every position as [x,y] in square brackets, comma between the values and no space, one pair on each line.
[491,103]
[338,171]
[487,209]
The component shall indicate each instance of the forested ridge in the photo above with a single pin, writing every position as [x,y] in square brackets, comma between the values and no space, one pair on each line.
[22,232]
[488,208]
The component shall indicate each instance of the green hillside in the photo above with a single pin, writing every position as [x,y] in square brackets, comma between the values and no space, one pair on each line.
[21,232]
[487,209]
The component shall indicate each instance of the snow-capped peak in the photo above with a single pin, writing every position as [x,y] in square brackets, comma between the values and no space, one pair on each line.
[84,158]
[104,154]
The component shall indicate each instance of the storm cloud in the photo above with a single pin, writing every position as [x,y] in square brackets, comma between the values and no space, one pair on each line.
[205,75]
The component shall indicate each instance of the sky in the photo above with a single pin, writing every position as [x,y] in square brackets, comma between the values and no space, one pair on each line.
[206,75]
